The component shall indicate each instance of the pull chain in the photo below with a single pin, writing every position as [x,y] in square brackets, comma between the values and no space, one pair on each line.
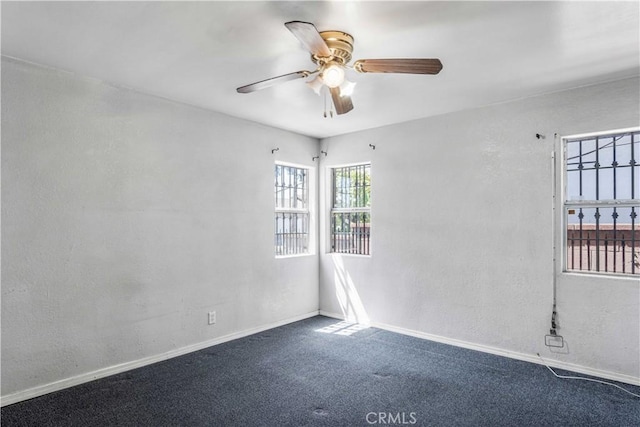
[326,95]
[325,104]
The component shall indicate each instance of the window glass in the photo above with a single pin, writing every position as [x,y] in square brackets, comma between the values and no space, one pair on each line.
[351,210]
[291,210]
[602,176]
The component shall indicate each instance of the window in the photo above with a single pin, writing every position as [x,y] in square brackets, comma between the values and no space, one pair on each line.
[601,203]
[351,209]
[291,210]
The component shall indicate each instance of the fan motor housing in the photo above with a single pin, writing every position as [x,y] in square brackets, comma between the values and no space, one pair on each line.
[340,44]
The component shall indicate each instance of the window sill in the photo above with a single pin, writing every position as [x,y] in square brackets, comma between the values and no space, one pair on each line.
[348,255]
[602,275]
[294,256]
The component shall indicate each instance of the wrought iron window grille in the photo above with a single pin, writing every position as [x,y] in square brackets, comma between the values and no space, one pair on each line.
[291,210]
[350,225]
[601,203]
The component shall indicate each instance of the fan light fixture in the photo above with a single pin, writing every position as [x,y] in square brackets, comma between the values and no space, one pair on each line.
[331,52]
[333,75]
[346,88]
[316,84]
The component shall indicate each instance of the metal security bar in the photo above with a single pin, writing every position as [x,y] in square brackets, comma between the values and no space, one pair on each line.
[350,232]
[292,233]
[351,210]
[292,187]
[604,240]
[352,187]
[291,210]
[602,203]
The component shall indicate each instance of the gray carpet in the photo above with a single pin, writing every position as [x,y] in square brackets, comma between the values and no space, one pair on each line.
[312,374]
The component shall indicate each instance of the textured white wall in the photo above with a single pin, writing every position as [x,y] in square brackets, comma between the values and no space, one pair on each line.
[462,232]
[125,219]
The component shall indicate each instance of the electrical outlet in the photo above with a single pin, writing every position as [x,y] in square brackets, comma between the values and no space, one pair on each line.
[556,341]
[212,317]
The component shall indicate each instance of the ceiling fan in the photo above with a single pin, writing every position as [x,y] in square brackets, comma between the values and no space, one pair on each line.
[331,52]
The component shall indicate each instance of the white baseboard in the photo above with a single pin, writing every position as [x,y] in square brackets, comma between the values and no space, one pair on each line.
[127,366]
[628,379]
[332,315]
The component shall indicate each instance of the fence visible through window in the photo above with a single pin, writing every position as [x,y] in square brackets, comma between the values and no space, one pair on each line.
[350,232]
[611,247]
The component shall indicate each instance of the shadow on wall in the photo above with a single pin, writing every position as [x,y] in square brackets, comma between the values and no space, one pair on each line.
[347,294]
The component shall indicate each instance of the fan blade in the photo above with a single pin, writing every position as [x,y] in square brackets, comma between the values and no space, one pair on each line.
[404,65]
[342,103]
[310,38]
[273,81]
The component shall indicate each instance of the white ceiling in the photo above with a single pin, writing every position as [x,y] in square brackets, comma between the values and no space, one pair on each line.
[200,52]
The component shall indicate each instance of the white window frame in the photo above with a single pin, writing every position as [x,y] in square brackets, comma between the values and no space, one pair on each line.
[566,205]
[308,211]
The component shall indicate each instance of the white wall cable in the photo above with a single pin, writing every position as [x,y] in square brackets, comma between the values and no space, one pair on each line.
[567,377]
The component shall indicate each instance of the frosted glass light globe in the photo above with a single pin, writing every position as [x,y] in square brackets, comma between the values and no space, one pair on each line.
[333,75]
[316,85]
